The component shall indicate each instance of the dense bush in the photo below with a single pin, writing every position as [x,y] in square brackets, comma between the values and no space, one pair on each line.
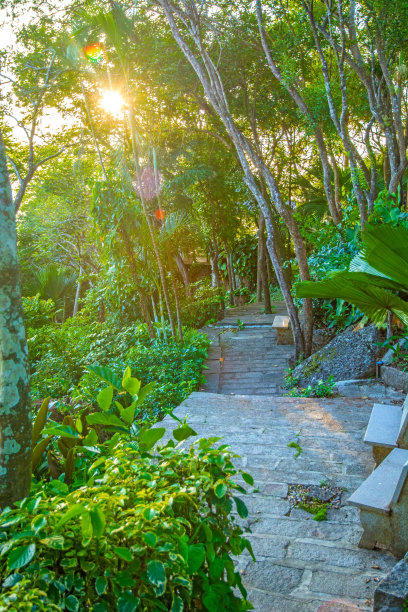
[38,312]
[198,313]
[137,534]
[59,355]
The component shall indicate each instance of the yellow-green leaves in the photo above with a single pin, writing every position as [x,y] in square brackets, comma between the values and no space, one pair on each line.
[104,398]
[132,385]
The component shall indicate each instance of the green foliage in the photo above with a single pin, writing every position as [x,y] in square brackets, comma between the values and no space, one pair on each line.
[129,536]
[376,278]
[37,312]
[60,354]
[320,389]
[196,314]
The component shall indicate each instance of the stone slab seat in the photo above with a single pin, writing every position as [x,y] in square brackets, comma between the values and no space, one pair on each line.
[283,328]
[383,503]
[387,429]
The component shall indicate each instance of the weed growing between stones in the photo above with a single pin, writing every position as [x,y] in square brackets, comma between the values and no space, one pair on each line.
[315,499]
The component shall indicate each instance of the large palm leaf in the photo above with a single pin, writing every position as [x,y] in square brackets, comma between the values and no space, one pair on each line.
[376,276]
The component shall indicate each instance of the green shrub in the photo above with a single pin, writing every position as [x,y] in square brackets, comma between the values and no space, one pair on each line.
[142,532]
[196,314]
[323,388]
[59,355]
[38,312]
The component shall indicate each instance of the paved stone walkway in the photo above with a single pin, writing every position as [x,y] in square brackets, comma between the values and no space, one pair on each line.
[301,563]
[246,361]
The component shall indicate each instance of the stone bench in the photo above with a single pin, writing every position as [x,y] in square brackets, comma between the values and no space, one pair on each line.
[383,502]
[283,328]
[387,429]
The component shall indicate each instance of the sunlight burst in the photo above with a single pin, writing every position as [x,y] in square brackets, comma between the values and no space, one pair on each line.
[112,102]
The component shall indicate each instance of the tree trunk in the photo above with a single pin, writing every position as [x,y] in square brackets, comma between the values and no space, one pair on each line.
[77,294]
[260,259]
[149,223]
[142,296]
[15,412]
[229,276]
[184,273]
[178,313]
[214,259]
[264,275]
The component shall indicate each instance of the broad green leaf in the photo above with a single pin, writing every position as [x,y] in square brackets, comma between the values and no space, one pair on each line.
[241,507]
[220,489]
[150,539]
[156,574]
[101,584]
[72,512]
[98,521]
[102,418]
[72,603]
[196,556]
[149,437]
[104,398]
[247,478]
[106,375]
[123,553]
[128,414]
[177,604]
[20,556]
[38,523]
[127,602]
[183,432]
[132,385]
[40,420]
[56,542]
[149,513]
[91,439]
[65,431]
[144,392]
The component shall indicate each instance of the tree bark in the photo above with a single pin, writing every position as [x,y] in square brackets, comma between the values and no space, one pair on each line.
[177,303]
[259,262]
[15,412]
[77,294]
[184,273]
[264,273]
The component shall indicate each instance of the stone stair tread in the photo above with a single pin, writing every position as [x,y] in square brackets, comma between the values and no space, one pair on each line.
[383,487]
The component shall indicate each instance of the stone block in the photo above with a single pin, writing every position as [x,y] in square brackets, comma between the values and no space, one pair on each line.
[392,592]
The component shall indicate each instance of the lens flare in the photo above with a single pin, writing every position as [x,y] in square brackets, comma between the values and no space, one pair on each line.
[112,102]
[160,214]
[94,52]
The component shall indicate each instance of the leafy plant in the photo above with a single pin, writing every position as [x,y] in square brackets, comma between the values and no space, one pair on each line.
[376,277]
[320,389]
[147,531]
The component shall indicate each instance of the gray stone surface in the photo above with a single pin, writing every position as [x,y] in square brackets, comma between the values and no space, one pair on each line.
[352,354]
[247,361]
[392,592]
[301,564]
[394,378]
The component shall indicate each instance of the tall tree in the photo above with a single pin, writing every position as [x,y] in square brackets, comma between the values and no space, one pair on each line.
[15,414]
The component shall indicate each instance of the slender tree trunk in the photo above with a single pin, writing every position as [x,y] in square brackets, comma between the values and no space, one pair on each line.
[184,273]
[178,313]
[231,288]
[264,273]
[149,223]
[15,411]
[144,307]
[77,293]
[214,257]
[260,259]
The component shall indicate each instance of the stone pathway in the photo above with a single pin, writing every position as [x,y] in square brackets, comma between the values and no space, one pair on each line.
[246,361]
[302,564]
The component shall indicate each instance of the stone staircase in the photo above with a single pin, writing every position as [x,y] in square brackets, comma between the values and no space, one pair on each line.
[302,565]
